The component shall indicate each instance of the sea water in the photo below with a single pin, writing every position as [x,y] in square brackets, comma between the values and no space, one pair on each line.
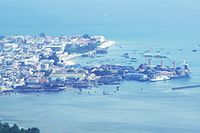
[136,26]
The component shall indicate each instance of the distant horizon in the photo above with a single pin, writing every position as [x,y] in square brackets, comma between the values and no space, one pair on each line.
[164,19]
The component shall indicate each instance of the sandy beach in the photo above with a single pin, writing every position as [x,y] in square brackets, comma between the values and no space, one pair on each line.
[106,44]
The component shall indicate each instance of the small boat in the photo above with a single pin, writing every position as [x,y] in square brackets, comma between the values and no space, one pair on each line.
[160,56]
[180,49]
[105,93]
[147,55]
[126,55]
[133,61]
[101,50]
[194,50]
[133,58]
[160,78]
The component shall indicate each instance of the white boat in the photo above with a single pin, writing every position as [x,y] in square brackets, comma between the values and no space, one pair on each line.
[160,78]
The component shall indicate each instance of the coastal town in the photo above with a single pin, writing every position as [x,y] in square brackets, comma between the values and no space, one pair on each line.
[44,63]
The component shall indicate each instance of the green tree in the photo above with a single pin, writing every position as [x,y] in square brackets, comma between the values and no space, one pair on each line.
[5,128]
[14,129]
[34,130]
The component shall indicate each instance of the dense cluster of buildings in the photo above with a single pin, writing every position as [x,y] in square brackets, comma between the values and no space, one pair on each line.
[32,60]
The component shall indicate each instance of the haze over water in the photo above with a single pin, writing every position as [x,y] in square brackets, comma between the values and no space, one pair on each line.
[136,19]
[133,24]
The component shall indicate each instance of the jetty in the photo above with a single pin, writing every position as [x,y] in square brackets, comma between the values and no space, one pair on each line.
[186,87]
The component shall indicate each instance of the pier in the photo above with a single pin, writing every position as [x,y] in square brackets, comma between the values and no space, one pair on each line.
[186,87]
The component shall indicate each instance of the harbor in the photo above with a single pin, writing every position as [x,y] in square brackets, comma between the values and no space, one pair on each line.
[92,76]
[49,64]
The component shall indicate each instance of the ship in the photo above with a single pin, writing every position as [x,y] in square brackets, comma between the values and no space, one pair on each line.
[161,72]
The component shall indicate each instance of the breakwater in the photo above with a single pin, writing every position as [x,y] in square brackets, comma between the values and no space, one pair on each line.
[186,87]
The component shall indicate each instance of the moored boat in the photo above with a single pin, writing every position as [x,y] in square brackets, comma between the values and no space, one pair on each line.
[159,78]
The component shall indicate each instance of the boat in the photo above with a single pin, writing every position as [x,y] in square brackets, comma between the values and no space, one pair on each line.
[194,50]
[160,56]
[159,78]
[101,50]
[125,55]
[147,55]
[6,89]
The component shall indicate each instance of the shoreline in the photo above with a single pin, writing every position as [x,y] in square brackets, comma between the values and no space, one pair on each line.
[106,44]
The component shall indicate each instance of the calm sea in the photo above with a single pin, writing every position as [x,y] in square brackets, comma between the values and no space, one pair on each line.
[136,26]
